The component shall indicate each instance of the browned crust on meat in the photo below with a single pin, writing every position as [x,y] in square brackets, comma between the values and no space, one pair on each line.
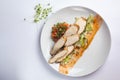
[64,69]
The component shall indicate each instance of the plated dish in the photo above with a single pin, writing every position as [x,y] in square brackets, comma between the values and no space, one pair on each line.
[71,42]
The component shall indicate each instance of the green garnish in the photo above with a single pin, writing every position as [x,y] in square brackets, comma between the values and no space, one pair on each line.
[66,60]
[82,41]
[89,24]
[89,27]
[41,13]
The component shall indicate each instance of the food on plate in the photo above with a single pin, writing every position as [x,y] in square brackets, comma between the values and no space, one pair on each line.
[74,41]
[59,44]
[57,56]
[61,54]
[69,50]
[58,30]
[73,29]
[71,39]
[81,22]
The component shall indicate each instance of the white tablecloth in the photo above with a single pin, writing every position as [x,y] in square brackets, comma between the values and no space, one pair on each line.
[20,55]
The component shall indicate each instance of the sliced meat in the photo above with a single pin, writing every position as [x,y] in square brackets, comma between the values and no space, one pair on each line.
[72,39]
[81,23]
[59,44]
[69,49]
[71,30]
[57,56]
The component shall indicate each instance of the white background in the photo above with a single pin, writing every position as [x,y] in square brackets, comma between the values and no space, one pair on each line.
[20,54]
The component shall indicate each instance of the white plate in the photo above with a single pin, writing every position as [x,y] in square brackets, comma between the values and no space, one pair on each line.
[94,56]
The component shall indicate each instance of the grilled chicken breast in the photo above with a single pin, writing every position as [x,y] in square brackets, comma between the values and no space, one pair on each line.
[72,39]
[59,44]
[69,50]
[81,23]
[71,35]
[71,30]
[57,56]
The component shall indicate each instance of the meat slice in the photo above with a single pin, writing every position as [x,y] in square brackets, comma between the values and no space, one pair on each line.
[72,39]
[69,50]
[57,56]
[81,23]
[59,44]
[71,30]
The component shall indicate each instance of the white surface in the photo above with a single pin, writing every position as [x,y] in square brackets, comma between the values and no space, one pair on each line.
[20,55]
[96,54]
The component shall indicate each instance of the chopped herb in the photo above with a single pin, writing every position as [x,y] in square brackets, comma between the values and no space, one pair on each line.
[89,27]
[90,18]
[41,12]
[89,24]
[66,60]
[82,41]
